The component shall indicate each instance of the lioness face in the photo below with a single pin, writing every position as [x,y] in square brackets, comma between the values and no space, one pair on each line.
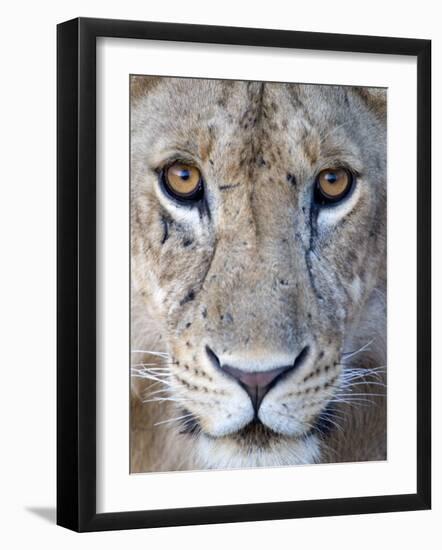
[258,233]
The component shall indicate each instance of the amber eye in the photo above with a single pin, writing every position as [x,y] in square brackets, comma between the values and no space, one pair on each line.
[183,181]
[333,185]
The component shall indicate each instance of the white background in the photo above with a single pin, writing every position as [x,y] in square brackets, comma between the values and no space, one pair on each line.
[27,290]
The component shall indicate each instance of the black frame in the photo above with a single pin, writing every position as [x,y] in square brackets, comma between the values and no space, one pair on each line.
[76,273]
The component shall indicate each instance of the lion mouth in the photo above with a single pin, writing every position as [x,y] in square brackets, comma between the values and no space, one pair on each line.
[254,433]
[257,434]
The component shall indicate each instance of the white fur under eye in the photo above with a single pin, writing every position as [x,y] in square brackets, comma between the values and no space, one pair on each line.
[181,213]
[333,214]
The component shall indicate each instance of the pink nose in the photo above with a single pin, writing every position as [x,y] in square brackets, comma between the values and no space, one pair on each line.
[256,384]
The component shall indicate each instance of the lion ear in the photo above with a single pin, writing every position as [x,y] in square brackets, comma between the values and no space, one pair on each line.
[142,85]
[375,99]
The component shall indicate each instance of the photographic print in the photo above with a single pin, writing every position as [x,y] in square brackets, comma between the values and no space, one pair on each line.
[222,274]
[258,274]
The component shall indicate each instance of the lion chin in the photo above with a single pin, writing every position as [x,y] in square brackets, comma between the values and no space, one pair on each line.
[257,446]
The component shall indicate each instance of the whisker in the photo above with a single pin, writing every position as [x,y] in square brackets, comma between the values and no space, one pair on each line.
[152,365]
[141,370]
[356,368]
[356,401]
[149,352]
[166,390]
[156,392]
[349,354]
[148,376]
[150,369]
[347,385]
[160,374]
[166,386]
[362,381]
[351,394]
[154,385]
[330,418]
[174,419]
[161,399]
[361,371]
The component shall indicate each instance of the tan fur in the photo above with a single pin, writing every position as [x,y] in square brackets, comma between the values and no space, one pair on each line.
[257,272]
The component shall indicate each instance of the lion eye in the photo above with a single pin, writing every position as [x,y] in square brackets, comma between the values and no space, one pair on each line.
[183,181]
[332,185]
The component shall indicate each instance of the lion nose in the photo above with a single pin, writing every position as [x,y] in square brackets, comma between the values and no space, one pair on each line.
[257,383]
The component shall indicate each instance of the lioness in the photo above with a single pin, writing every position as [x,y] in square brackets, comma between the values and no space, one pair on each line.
[258,248]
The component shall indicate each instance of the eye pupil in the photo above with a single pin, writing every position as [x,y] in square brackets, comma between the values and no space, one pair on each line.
[332,185]
[182,181]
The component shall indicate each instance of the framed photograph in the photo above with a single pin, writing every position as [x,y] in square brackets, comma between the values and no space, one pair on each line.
[243,274]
